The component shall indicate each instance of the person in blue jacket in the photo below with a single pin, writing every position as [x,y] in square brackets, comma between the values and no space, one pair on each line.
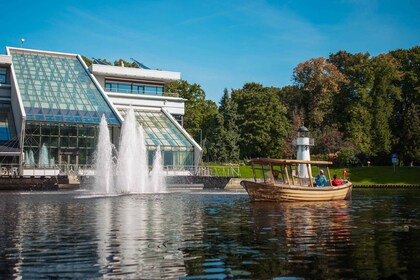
[320,179]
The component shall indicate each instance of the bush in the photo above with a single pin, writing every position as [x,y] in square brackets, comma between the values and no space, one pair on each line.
[320,157]
[346,157]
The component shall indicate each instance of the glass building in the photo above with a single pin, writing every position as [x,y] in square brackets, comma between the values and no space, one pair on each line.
[53,104]
[177,151]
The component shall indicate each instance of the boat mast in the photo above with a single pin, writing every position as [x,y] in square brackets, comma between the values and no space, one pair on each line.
[311,180]
[253,171]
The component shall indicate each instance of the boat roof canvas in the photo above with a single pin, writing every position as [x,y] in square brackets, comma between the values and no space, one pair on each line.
[287,161]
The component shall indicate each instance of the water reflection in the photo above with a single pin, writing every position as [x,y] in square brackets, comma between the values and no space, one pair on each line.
[304,237]
[37,235]
[208,235]
[134,242]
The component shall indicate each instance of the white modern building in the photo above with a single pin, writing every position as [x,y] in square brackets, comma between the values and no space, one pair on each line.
[51,105]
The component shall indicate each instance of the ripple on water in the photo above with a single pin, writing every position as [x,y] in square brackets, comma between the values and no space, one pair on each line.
[206,235]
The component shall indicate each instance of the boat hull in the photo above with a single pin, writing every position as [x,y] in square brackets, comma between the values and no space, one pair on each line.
[279,192]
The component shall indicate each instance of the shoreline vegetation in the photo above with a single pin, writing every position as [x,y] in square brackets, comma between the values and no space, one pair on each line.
[373,175]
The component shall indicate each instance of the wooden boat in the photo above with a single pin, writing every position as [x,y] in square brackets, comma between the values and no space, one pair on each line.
[290,186]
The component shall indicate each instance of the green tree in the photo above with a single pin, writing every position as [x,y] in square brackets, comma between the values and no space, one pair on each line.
[121,61]
[228,109]
[320,81]
[198,110]
[87,61]
[384,94]
[291,97]
[410,154]
[346,157]
[406,110]
[216,148]
[352,105]
[103,60]
[262,121]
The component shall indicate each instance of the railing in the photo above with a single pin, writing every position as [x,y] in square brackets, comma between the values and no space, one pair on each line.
[77,170]
[223,171]
[49,170]
[9,169]
[129,91]
[89,170]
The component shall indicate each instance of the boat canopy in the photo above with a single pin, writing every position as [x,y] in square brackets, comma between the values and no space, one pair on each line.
[287,161]
[285,171]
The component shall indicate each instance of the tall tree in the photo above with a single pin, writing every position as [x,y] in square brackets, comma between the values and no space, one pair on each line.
[262,120]
[198,110]
[319,81]
[216,148]
[384,94]
[288,149]
[410,154]
[407,109]
[228,109]
[352,105]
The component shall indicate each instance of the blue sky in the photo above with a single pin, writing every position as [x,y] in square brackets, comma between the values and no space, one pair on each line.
[217,44]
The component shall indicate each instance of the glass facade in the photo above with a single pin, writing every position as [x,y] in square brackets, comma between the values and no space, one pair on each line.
[49,144]
[133,88]
[58,89]
[7,127]
[3,76]
[63,108]
[9,143]
[159,130]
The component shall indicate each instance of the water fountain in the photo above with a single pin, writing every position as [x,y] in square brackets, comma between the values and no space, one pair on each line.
[52,162]
[104,166]
[130,173]
[26,159]
[31,158]
[158,183]
[43,161]
[143,166]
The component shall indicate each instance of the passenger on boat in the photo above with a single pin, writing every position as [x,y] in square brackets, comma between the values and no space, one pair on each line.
[336,181]
[320,179]
[276,175]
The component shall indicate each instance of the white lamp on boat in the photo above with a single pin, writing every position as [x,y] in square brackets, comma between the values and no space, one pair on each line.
[303,142]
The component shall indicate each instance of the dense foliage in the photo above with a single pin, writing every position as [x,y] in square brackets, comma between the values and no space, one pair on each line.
[357,107]
[262,120]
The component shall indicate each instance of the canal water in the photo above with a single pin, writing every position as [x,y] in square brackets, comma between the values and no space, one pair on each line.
[208,235]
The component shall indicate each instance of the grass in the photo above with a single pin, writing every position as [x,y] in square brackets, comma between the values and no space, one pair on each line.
[384,175]
[377,175]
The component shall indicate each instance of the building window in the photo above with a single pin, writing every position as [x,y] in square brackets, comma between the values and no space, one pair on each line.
[133,88]
[4,128]
[3,76]
[57,143]
[179,119]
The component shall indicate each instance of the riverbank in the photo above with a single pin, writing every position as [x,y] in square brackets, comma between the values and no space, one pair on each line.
[32,183]
[368,176]
[362,177]
[234,185]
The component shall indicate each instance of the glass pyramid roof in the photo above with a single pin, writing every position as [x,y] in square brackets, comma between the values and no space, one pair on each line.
[159,130]
[58,88]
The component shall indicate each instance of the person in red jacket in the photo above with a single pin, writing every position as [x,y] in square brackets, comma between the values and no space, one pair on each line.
[336,181]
